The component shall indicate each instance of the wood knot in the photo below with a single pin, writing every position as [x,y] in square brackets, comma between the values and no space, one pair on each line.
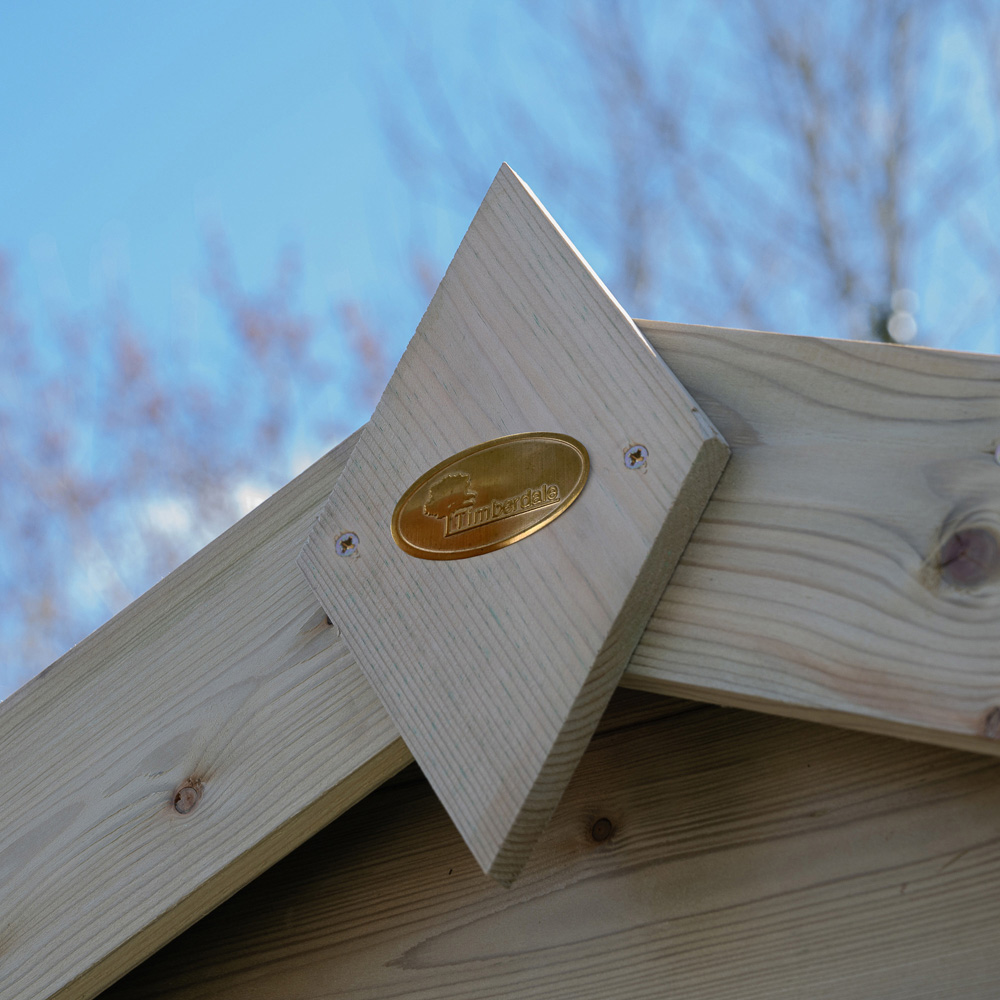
[187,795]
[969,557]
[601,830]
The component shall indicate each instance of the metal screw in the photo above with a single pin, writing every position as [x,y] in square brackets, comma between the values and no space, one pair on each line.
[347,544]
[635,456]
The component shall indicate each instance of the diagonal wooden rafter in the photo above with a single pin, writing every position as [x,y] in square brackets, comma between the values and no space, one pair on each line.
[813,586]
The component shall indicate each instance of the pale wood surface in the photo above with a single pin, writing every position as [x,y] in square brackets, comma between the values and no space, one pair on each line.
[812,584]
[751,857]
[226,672]
[496,669]
[97,872]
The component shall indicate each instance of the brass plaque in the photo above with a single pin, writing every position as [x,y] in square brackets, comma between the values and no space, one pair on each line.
[489,496]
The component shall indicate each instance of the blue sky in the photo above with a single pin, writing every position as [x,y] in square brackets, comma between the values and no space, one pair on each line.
[132,128]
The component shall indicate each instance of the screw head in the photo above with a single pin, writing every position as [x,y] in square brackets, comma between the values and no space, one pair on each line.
[347,544]
[635,456]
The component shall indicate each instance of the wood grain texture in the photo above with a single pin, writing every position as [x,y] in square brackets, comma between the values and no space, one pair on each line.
[813,584]
[748,858]
[226,673]
[496,669]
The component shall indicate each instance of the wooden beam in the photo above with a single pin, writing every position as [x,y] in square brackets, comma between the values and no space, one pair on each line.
[812,586]
[847,568]
[497,668]
[224,682]
[709,855]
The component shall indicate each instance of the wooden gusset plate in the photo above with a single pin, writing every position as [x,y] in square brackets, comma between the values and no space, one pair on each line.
[508,520]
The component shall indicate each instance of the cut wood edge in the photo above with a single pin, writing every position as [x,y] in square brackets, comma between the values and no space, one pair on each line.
[645,677]
[266,852]
[575,735]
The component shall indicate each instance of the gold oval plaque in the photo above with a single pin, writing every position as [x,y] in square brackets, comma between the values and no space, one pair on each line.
[489,496]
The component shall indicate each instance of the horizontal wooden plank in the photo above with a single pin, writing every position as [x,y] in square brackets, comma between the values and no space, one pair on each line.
[711,855]
[813,585]
[226,673]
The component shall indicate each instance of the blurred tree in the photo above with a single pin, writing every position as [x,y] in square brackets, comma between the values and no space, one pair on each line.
[804,167]
[811,168]
[117,460]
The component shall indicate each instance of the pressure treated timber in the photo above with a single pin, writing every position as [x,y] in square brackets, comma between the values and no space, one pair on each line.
[226,673]
[745,858]
[169,685]
[496,668]
[813,585]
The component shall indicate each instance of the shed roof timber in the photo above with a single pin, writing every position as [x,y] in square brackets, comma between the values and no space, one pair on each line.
[699,853]
[824,581]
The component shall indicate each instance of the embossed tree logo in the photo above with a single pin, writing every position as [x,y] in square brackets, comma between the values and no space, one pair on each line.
[448,495]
